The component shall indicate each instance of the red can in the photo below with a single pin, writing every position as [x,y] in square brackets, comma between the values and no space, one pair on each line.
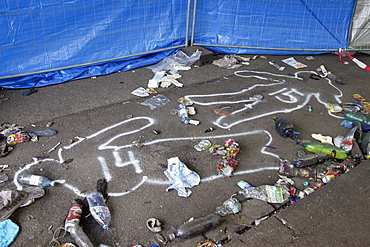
[74,215]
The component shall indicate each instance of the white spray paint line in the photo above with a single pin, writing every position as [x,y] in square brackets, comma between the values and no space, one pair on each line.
[132,161]
[74,189]
[105,169]
[191,97]
[238,73]
[145,178]
[104,145]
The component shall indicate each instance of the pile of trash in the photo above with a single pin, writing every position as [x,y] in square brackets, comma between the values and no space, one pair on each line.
[12,134]
[166,72]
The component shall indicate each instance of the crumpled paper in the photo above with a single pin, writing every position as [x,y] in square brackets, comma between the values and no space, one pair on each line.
[181,177]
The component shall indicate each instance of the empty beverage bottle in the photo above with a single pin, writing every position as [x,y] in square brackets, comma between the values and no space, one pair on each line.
[35,180]
[349,139]
[284,128]
[267,193]
[183,113]
[99,209]
[356,117]
[196,227]
[333,151]
[230,206]
[72,226]
[310,159]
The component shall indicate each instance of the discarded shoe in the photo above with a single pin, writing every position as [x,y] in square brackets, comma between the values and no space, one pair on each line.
[154,225]
[34,192]
[10,200]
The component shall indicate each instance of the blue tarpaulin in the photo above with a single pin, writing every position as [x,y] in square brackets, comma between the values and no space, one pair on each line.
[49,42]
[274,26]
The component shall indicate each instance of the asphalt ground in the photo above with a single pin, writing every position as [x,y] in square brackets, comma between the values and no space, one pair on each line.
[98,119]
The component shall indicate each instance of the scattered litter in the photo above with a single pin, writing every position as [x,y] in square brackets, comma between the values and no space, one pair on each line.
[277,66]
[227,62]
[206,243]
[53,148]
[177,61]
[191,111]
[154,225]
[172,81]
[294,63]
[181,177]
[209,130]
[310,58]
[284,127]
[335,78]
[141,92]
[156,101]
[185,101]
[222,112]
[230,206]
[323,139]
[203,145]
[37,180]
[194,122]
[183,113]
[267,193]
[334,107]
[196,227]
[228,151]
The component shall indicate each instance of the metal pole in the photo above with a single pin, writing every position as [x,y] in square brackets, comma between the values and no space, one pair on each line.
[187,24]
[193,25]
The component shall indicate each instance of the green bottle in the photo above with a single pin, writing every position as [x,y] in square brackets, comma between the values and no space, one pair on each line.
[333,151]
[355,117]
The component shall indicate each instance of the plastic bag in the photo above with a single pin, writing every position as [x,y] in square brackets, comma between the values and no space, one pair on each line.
[179,59]
[8,231]
[156,101]
[180,177]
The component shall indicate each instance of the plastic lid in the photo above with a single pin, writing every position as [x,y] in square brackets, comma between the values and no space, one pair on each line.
[242,184]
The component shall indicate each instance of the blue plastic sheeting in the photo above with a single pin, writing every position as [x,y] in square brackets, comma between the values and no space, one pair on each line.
[8,232]
[40,35]
[60,76]
[58,35]
[285,25]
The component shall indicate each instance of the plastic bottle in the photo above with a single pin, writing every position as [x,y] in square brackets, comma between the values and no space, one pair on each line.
[284,128]
[196,227]
[80,236]
[35,180]
[230,206]
[310,159]
[356,117]
[99,209]
[349,139]
[72,226]
[267,193]
[250,191]
[278,67]
[183,113]
[333,151]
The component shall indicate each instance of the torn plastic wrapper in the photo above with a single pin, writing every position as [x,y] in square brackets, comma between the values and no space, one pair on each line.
[156,101]
[179,59]
[181,177]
